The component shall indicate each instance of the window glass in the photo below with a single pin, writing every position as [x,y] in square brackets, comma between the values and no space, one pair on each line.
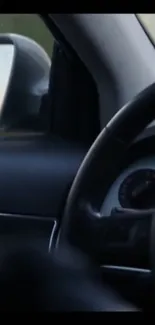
[148,21]
[29,25]
[32,26]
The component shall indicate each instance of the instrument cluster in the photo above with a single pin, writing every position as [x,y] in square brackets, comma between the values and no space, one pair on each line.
[133,189]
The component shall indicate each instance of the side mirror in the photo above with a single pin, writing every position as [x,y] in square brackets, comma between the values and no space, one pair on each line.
[24,78]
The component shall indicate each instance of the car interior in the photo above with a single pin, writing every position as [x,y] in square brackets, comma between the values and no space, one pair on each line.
[77,165]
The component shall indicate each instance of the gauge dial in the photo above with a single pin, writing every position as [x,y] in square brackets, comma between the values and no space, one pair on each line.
[138,190]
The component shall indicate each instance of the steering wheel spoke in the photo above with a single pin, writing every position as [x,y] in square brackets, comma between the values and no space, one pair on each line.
[124,239]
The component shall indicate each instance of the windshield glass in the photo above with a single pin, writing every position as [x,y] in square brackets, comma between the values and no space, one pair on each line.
[148,21]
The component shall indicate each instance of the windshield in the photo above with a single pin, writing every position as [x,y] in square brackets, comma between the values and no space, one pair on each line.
[148,21]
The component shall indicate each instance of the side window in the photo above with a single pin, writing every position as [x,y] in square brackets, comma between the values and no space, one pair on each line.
[148,22]
[32,26]
[29,25]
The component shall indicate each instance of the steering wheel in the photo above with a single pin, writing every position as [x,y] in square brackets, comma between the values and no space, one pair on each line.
[126,239]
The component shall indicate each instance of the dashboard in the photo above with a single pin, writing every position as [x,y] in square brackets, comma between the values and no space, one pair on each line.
[134,188]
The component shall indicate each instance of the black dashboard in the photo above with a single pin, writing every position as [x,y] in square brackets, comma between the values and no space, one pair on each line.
[36,174]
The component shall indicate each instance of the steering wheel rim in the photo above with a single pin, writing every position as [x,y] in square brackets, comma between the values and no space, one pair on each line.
[112,143]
